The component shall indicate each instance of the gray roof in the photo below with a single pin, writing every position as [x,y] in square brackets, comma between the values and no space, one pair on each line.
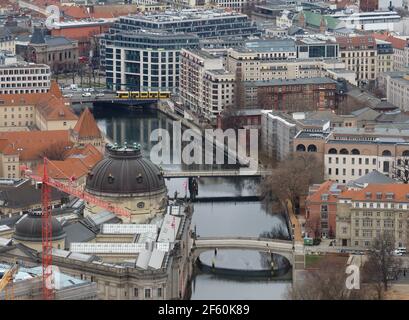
[38,37]
[78,232]
[372,177]
[24,195]
[57,41]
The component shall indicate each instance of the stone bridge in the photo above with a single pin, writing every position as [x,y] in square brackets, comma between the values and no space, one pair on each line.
[293,252]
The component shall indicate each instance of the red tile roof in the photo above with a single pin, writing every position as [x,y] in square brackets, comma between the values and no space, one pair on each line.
[51,104]
[324,188]
[77,164]
[86,126]
[356,42]
[399,191]
[30,145]
[397,43]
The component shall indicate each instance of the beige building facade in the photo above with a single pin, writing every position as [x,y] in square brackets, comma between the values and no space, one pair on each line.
[365,214]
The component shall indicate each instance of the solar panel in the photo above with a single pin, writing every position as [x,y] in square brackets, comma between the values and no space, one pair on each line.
[128,228]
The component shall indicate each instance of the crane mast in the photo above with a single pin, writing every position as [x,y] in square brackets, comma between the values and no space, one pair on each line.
[70,188]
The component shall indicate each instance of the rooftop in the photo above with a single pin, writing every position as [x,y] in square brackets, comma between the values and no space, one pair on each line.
[301,81]
[185,15]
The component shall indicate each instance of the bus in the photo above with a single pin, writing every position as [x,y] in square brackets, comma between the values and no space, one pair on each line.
[143,94]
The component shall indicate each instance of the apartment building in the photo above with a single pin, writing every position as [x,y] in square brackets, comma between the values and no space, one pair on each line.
[397,90]
[384,57]
[291,95]
[365,213]
[359,55]
[400,50]
[7,42]
[205,87]
[264,60]
[17,77]
[145,61]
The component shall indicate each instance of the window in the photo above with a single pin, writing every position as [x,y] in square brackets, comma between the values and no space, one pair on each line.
[344,230]
[147,293]
[160,292]
[135,292]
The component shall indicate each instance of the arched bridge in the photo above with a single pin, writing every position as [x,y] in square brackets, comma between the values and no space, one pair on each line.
[293,252]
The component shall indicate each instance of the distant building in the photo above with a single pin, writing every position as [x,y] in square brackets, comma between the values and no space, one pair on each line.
[368,5]
[397,91]
[41,107]
[205,87]
[359,54]
[349,153]
[316,48]
[23,78]
[368,21]
[59,53]
[321,209]
[364,214]
[7,42]
[305,94]
[18,195]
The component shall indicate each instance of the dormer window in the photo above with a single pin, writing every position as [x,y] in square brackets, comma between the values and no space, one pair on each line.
[111,179]
[390,195]
[368,195]
[324,197]
[379,195]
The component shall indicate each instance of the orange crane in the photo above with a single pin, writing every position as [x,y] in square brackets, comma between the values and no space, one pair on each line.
[73,189]
[6,282]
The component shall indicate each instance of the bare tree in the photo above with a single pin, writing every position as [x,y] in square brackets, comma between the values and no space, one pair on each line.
[291,178]
[327,282]
[349,104]
[55,151]
[381,263]
[401,170]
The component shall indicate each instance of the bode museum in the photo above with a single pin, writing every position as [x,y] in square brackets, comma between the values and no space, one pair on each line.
[148,257]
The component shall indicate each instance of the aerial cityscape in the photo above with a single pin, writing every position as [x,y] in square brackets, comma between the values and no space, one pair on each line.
[204,150]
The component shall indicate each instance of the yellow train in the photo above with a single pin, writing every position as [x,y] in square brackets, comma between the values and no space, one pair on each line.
[143,94]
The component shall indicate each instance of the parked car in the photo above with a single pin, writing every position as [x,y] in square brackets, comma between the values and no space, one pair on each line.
[86,94]
[68,95]
[100,94]
[397,252]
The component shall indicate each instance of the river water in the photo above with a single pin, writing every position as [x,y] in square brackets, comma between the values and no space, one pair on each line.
[246,219]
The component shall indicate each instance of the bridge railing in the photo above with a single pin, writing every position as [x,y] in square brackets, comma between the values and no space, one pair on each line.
[198,237]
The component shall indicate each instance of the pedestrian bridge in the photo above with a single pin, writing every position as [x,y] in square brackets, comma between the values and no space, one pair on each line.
[293,252]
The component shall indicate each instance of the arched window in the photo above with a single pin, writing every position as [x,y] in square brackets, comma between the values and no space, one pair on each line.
[343,151]
[355,151]
[300,148]
[332,151]
[312,148]
[386,153]
[405,153]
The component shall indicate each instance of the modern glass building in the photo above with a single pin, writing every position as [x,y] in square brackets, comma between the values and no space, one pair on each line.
[145,61]
[141,52]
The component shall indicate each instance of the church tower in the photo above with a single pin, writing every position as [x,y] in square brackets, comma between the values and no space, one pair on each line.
[86,131]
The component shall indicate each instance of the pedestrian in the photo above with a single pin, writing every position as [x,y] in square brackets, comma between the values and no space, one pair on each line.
[215,251]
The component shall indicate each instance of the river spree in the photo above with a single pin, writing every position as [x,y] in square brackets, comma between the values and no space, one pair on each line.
[232,218]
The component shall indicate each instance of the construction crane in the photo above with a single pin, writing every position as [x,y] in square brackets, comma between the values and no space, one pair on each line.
[6,282]
[73,189]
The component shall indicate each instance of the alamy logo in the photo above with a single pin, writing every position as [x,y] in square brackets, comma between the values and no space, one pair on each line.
[353,280]
[241,147]
[53,279]
[53,16]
